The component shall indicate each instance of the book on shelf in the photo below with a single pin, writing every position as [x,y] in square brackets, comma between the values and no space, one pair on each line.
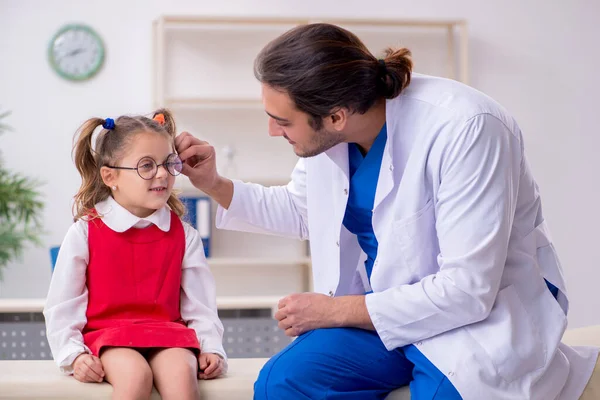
[198,215]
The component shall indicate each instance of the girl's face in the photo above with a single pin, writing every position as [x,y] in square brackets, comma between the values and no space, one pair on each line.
[139,196]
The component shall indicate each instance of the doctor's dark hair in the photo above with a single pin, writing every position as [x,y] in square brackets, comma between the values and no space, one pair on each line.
[323,67]
[111,145]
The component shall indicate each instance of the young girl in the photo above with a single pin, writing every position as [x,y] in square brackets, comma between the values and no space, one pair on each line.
[132,299]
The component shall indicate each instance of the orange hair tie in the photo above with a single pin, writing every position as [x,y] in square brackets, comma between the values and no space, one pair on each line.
[160,118]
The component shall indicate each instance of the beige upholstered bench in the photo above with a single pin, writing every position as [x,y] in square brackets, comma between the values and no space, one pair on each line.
[42,380]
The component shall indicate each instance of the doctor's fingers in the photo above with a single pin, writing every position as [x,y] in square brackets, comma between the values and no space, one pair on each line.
[285,324]
[185,140]
[282,313]
[293,332]
[283,302]
[197,153]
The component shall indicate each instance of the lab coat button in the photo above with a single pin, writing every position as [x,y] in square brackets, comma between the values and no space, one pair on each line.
[391,167]
[450,373]
[346,192]
[337,244]
[420,344]
[331,293]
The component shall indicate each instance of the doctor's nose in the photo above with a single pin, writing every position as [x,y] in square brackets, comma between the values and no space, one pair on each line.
[274,129]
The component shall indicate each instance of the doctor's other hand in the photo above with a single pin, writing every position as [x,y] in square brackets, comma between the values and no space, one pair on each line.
[88,368]
[199,161]
[303,312]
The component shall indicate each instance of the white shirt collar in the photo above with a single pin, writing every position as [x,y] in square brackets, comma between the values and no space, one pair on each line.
[117,218]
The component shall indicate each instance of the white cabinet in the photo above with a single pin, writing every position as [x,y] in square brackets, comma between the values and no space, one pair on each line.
[203,72]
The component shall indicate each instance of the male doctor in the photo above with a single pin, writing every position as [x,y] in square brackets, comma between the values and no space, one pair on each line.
[433,266]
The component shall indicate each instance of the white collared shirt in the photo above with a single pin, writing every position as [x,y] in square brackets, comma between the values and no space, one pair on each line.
[66,304]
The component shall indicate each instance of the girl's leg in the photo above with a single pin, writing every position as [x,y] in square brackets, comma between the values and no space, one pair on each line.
[175,373]
[128,372]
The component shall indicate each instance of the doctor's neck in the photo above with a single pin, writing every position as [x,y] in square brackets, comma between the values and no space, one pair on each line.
[363,129]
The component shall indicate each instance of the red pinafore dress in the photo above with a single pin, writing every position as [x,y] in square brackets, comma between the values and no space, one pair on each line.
[134,285]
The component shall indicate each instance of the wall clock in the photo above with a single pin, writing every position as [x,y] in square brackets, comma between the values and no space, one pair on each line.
[76,52]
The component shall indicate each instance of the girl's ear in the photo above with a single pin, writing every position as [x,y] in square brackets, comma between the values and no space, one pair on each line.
[109,176]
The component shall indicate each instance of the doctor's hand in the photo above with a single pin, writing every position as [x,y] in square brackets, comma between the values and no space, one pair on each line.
[199,164]
[303,312]
[199,160]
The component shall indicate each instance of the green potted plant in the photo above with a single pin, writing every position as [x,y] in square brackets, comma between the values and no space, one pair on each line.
[20,210]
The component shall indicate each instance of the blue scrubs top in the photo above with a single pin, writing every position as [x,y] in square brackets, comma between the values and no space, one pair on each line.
[364,174]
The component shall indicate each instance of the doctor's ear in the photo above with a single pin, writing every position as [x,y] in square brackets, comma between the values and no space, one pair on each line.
[336,120]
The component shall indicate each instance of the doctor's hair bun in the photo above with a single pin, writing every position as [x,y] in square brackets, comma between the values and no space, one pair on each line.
[394,72]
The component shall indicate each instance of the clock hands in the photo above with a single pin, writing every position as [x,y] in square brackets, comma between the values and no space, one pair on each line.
[74,52]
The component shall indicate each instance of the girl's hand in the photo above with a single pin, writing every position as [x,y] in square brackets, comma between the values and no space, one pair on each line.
[211,366]
[88,368]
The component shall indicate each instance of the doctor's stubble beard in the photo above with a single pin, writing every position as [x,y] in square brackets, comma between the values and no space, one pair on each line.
[321,141]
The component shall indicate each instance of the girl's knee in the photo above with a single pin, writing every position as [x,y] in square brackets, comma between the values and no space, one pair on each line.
[176,374]
[134,384]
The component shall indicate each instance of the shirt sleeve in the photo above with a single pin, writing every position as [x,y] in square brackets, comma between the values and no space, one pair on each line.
[198,296]
[66,303]
[276,210]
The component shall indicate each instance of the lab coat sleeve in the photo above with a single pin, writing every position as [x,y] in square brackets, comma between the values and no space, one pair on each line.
[474,211]
[66,303]
[278,210]
[199,297]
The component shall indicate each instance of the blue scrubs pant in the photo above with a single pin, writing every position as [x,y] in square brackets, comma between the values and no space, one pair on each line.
[349,364]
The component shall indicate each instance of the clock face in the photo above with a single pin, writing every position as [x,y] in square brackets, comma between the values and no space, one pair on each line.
[76,52]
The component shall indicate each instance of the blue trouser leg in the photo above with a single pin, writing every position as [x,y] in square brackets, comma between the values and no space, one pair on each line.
[428,382]
[347,363]
[343,363]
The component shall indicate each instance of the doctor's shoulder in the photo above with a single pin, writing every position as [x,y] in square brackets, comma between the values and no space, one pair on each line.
[454,101]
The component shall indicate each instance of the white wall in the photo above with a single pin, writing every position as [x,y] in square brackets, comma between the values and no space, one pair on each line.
[540,60]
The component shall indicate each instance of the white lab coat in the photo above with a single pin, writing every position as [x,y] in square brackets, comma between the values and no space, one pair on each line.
[463,246]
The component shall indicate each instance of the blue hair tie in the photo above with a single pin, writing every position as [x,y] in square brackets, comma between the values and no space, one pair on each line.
[109,123]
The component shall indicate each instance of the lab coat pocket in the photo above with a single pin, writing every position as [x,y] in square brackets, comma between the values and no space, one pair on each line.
[510,339]
[417,239]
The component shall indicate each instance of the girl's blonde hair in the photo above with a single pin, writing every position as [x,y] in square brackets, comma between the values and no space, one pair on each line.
[111,145]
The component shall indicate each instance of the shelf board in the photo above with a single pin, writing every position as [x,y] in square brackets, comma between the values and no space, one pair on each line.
[172,21]
[199,103]
[21,305]
[247,302]
[8,306]
[258,261]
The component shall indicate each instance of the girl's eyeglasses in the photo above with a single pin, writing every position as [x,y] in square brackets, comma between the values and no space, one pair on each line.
[147,168]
